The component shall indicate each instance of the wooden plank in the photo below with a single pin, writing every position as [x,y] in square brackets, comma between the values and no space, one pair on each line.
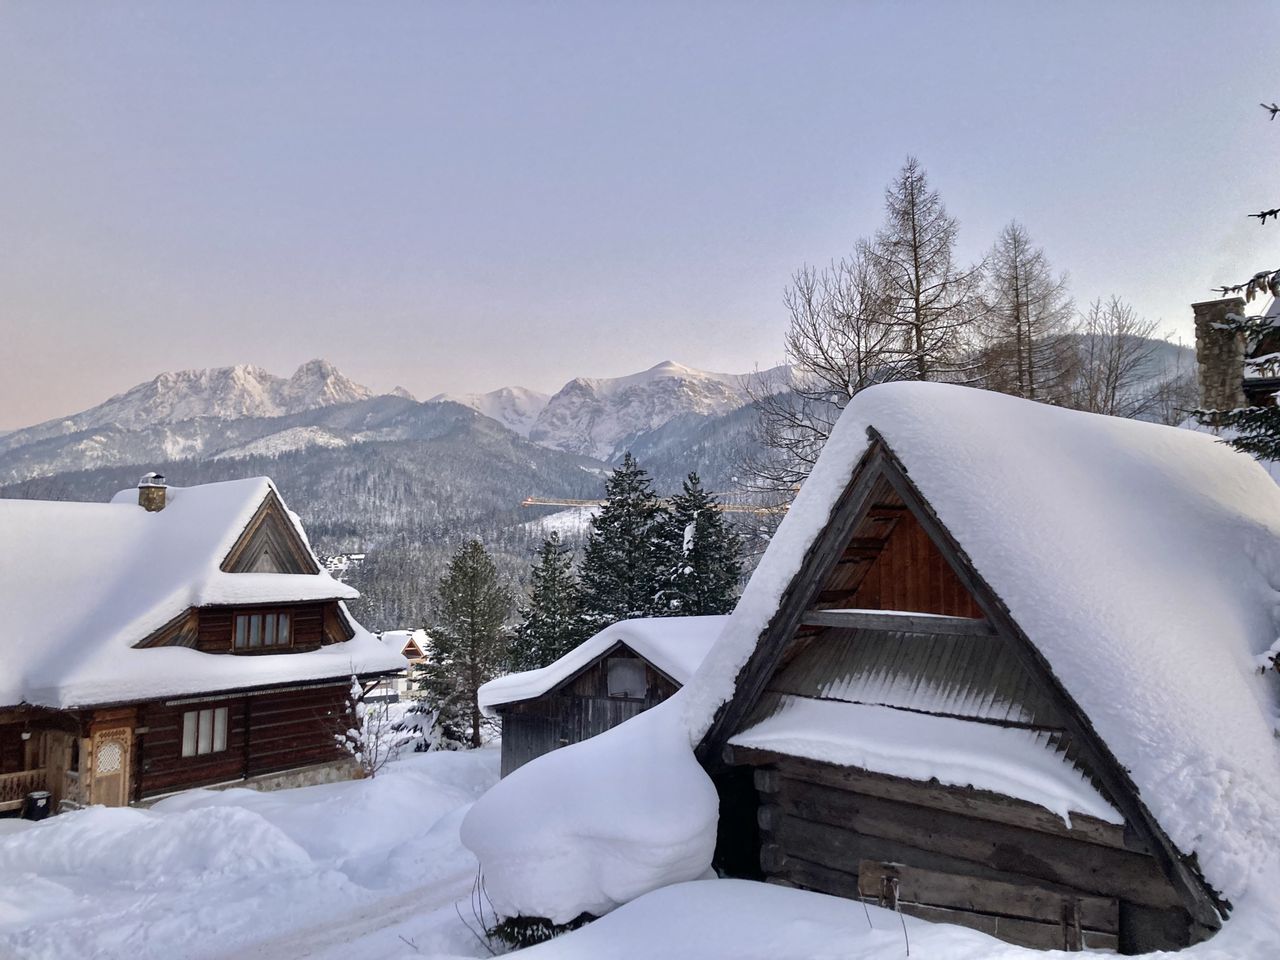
[1011,850]
[959,892]
[898,622]
[1023,933]
[980,804]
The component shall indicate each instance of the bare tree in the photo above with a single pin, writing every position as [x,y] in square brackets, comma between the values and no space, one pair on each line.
[929,300]
[896,309]
[1116,373]
[1026,349]
[837,343]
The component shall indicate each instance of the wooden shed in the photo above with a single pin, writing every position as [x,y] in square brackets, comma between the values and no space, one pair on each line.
[623,670]
[896,735]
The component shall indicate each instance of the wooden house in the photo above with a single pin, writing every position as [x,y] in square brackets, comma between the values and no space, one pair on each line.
[623,670]
[995,669]
[172,638]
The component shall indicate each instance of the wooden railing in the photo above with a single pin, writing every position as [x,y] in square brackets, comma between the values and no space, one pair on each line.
[14,787]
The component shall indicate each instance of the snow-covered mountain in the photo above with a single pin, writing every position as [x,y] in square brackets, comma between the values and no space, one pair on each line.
[221,393]
[600,417]
[516,408]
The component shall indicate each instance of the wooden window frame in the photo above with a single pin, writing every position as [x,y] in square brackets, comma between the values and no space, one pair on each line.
[256,625]
[204,732]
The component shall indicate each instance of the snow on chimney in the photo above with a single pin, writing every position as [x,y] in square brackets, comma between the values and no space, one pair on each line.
[151,492]
[1219,354]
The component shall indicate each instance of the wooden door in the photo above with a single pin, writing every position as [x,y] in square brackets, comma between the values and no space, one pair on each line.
[112,758]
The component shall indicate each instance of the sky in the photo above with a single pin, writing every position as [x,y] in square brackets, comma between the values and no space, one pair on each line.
[461,196]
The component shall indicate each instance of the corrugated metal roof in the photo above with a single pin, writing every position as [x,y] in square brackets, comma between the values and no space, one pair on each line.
[969,677]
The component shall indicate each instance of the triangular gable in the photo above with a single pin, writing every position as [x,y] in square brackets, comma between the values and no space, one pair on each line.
[883,542]
[604,655]
[270,543]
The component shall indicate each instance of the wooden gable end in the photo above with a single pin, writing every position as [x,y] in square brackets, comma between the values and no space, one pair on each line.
[884,548]
[270,544]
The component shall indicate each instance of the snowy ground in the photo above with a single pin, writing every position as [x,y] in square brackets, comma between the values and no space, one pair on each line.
[374,868]
[295,873]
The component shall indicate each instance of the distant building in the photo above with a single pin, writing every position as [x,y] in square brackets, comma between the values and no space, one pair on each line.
[413,646]
[623,670]
[172,638]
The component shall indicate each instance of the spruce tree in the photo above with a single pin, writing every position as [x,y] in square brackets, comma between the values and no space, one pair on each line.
[551,622]
[619,577]
[702,554]
[468,643]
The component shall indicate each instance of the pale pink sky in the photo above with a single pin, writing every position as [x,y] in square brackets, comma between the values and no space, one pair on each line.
[455,197]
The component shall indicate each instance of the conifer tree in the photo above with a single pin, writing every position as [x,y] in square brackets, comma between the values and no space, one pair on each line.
[551,622]
[702,554]
[619,576]
[468,643]
[928,297]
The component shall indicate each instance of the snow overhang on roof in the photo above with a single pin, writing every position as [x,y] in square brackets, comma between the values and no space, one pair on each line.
[82,583]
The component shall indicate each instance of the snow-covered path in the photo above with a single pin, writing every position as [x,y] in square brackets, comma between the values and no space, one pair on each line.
[237,874]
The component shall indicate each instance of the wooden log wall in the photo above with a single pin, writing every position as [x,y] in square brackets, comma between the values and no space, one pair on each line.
[266,733]
[962,856]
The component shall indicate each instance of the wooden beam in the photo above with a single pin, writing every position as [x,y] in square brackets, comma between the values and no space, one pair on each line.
[893,621]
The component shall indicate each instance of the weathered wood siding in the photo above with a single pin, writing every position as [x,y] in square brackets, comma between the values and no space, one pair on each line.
[308,625]
[962,856]
[891,564]
[579,709]
[266,733]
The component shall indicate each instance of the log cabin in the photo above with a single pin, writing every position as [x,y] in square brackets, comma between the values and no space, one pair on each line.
[997,668]
[620,672]
[171,638]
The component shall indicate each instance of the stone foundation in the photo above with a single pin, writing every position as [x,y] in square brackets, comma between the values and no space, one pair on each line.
[331,772]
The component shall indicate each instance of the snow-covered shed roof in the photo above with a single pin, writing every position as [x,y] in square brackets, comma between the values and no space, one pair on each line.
[1142,562]
[675,645]
[82,583]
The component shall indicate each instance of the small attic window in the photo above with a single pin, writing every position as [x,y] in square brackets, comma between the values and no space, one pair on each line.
[255,631]
[627,678]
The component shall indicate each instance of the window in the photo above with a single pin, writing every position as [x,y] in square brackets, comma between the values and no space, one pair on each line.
[627,678]
[204,731]
[255,631]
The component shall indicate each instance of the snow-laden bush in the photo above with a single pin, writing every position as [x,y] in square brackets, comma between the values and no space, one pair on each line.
[373,739]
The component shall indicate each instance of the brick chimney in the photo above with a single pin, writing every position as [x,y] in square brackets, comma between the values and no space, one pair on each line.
[151,492]
[1219,354]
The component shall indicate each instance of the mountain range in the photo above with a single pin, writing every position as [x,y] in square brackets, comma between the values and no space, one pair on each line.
[384,475]
[241,411]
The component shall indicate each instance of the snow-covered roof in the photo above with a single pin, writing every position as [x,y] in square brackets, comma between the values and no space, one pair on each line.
[675,645]
[82,583]
[1142,561]
[399,639]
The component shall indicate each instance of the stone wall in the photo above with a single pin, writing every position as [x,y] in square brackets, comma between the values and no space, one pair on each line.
[1219,354]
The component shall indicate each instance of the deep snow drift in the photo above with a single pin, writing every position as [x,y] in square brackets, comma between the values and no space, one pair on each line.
[237,873]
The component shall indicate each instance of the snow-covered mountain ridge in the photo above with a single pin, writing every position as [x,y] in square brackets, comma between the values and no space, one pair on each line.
[220,393]
[601,416]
